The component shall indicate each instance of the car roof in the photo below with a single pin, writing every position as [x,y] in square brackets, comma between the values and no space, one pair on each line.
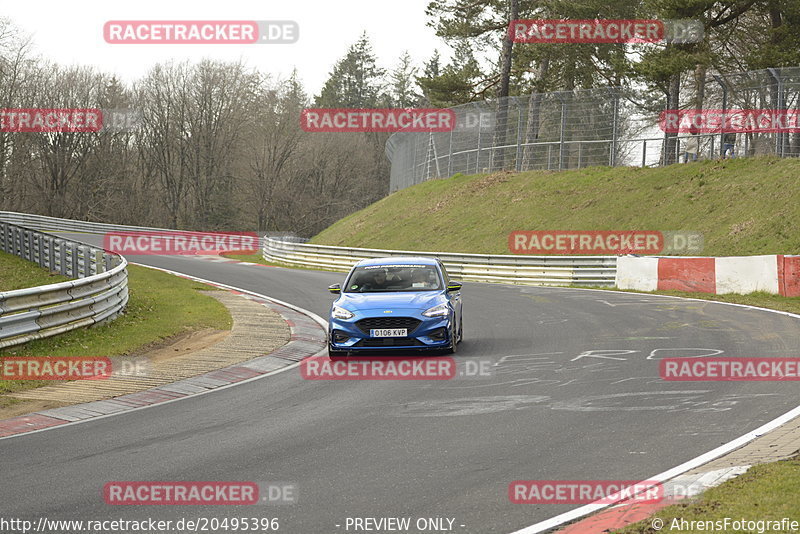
[397,260]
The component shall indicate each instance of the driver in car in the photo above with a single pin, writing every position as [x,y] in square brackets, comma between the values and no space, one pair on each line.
[378,281]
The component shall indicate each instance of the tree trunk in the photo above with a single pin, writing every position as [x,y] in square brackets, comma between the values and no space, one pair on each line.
[497,161]
[534,114]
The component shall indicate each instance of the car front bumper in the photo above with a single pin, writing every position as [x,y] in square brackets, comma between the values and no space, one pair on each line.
[431,333]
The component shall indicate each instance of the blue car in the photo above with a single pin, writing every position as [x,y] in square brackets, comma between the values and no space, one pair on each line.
[395,304]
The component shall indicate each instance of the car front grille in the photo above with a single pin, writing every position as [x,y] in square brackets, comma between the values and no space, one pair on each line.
[409,323]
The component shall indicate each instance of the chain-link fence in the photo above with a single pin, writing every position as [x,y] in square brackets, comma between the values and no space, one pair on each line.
[604,126]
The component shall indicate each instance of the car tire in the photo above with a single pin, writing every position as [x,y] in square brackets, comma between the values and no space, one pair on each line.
[453,344]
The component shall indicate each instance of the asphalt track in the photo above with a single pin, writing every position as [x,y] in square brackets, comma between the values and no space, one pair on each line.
[555,408]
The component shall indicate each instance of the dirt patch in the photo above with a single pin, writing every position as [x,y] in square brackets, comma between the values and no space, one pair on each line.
[184,343]
[742,227]
[488,181]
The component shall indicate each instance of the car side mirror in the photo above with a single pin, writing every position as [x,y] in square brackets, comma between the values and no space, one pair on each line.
[335,288]
[453,286]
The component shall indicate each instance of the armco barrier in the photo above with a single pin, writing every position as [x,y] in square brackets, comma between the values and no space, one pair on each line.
[530,270]
[776,274]
[42,222]
[99,293]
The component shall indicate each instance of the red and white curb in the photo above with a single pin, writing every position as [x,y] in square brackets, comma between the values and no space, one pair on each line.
[674,491]
[308,338]
[777,274]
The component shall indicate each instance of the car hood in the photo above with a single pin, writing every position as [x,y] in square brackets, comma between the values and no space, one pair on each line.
[407,299]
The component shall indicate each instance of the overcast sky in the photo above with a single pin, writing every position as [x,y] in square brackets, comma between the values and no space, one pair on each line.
[72,33]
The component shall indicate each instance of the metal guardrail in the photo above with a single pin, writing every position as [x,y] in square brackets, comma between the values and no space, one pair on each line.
[529,270]
[42,222]
[99,293]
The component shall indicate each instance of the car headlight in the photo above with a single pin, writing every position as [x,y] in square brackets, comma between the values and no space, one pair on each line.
[341,313]
[440,310]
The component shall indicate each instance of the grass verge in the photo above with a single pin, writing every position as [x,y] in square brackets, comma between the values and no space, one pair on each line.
[16,273]
[742,207]
[767,492]
[161,306]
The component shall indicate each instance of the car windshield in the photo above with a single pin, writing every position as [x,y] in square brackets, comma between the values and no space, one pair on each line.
[386,278]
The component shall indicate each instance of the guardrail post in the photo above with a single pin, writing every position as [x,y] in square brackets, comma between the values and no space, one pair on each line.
[51,255]
[71,250]
[83,261]
[59,263]
[40,257]
[17,250]
[29,247]
[100,266]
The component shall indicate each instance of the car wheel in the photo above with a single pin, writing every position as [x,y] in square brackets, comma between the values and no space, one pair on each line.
[453,344]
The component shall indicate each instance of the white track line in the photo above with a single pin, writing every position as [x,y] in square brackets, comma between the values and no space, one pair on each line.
[567,517]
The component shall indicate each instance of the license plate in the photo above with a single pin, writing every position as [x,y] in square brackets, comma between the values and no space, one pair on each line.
[388,332]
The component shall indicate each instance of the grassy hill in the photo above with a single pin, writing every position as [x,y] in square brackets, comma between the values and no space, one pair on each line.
[742,206]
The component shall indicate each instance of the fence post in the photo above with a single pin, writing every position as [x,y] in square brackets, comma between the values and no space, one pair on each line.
[450,156]
[644,152]
[478,153]
[518,161]
[779,135]
[562,132]
[414,164]
[724,109]
[612,156]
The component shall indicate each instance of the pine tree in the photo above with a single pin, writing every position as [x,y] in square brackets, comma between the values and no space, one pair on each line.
[356,80]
